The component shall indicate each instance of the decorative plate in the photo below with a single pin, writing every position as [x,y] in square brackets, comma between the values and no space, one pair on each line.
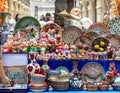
[99,44]
[93,72]
[87,38]
[31,27]
[86,22]
[114,40]
[52,29]
[114,25]
[70,34]
[100,28]
[83,39]
[63,70]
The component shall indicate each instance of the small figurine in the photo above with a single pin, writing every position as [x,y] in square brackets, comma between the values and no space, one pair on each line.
[110,52]
[66,50]
[110,87]
[84,87]
[43,47]
[59,56]
[43,37]
[76,16]
[50,88]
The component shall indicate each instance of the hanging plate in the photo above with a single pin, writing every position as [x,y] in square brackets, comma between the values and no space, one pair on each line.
[70,34]
[100,28]
[114,25]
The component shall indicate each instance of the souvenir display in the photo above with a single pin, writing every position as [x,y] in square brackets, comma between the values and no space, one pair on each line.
[30,26]
[81,56]
[114,25]
[72,33]
[100,28]
[93,72]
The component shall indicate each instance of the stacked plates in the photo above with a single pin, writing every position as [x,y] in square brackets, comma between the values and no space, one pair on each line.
[38,83]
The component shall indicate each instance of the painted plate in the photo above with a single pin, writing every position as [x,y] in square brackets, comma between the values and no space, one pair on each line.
[86,22]
[86,38]
[114,26]
[51,29]
[30,26]
[70,34]
[93,72]
[100,28]
[63,70]
[114,40]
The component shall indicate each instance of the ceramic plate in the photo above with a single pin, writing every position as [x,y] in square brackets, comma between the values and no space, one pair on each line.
[63,70]
[100,28]
[114,40]
[87,38]
[114,26]
[93,72]
[86,22]
[52,29]
[70,34]
[31,27]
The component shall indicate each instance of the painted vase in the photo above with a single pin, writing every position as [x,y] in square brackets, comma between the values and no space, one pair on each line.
[75,83]
[33,67]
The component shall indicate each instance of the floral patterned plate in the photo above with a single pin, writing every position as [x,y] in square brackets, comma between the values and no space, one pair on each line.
[93,72]
[27,27]
[52,30]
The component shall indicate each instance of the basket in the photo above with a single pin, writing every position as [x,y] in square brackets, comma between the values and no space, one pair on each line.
[57,85]
[92,87]
[103,87]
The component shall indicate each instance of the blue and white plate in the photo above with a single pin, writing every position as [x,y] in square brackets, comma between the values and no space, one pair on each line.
[114,25]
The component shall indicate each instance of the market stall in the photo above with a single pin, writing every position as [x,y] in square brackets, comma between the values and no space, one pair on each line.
[82,57]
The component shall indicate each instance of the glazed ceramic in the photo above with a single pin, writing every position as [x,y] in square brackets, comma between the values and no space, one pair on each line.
[75,83]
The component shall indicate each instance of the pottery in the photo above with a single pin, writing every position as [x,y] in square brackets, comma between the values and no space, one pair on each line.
[61,86]
[75,83]
[116,84]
